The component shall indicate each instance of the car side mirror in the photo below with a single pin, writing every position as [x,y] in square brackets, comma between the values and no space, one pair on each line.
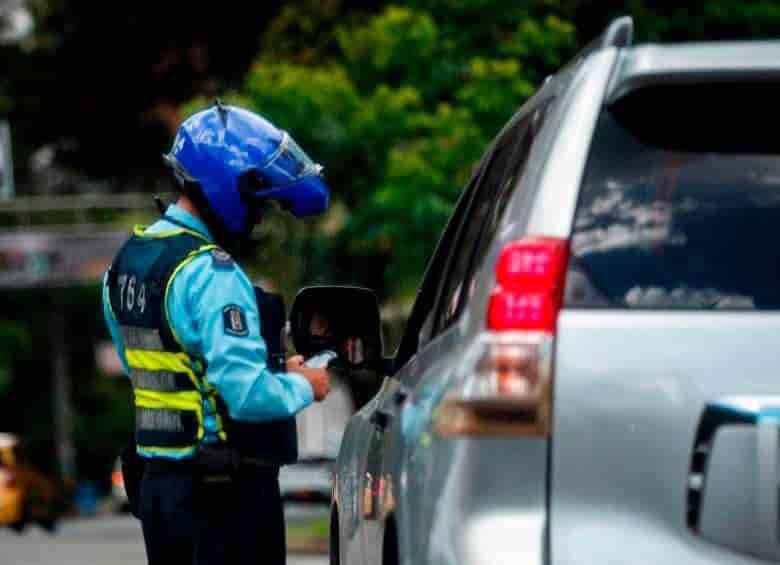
[345,320]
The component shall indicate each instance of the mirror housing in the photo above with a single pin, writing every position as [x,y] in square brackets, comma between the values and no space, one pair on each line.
[323,317]
[344,319]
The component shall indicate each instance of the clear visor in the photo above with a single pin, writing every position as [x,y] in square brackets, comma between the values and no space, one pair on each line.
[290,163]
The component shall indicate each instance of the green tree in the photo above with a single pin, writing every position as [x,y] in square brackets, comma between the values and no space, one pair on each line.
[398,104]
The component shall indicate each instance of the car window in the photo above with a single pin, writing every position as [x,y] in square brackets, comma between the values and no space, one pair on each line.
[419,324]
[501,179]
[681,212]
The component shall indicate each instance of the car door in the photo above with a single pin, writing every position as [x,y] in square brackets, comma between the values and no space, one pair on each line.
[381,414]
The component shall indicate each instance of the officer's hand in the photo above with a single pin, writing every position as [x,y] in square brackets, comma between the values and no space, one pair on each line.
[294,363]
[318,379]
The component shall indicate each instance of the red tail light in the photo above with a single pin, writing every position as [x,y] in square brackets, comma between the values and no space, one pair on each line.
[507,387]
[529,276]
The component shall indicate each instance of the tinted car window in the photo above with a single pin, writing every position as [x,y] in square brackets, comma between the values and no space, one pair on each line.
[682,210]
[501,178]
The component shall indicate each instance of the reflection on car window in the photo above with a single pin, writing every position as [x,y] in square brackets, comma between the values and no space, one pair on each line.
[689,227]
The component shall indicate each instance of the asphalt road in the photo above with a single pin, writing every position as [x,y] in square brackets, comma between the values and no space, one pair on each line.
[104,541]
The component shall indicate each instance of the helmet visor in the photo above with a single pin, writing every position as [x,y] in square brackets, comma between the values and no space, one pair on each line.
[288,164]
[291,178]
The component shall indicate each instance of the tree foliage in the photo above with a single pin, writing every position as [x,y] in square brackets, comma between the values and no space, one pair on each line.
[398,103]
[397,99]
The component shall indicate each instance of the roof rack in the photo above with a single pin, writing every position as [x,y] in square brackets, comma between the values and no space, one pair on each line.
[620,33]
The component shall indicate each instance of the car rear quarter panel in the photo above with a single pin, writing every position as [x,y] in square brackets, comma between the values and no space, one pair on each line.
[545,201]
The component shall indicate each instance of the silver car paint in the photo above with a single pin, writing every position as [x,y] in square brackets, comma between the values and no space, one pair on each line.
[545,202]
[730,61]
[552,212]
[624,427]
[468,500]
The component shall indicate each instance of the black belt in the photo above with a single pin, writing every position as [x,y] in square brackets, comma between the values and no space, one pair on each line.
[162,466]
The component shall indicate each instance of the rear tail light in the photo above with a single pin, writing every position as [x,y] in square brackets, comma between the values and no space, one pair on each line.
[529,285]
[508,389]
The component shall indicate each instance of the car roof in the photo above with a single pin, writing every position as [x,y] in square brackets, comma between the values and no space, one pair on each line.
[715,61]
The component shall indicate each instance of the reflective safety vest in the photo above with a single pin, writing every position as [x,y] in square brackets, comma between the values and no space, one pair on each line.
[169,384]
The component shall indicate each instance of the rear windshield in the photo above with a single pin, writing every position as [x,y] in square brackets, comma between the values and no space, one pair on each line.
[680,203]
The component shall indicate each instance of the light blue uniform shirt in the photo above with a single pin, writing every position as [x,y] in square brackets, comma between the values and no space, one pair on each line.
[236,365]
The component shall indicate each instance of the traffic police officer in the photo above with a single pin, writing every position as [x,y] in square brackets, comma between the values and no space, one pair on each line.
[185,321]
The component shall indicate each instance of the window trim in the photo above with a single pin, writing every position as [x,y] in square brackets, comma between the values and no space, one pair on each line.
[534,120]
[409,346]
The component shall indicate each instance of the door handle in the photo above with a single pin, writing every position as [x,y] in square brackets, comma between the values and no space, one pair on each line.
[381,418]
[383,415]
[401,395]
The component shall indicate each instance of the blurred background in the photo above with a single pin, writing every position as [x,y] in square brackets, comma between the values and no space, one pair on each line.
[396,100]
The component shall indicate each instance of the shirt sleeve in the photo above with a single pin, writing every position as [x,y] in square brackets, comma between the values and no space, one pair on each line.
[113,326]
[201,298]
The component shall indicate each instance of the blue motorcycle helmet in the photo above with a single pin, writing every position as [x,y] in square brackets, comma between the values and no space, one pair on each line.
[232,163]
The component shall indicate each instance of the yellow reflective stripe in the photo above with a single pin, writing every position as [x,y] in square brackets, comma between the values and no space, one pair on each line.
[179,363]
[210,392]
[175,451]
[140,231]
[190,256]
[211,397]
[160,361]
[189,400]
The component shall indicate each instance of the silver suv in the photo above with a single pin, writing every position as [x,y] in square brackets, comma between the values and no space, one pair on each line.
[591,370]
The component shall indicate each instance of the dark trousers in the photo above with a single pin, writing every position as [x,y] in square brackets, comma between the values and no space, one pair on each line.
[189,522]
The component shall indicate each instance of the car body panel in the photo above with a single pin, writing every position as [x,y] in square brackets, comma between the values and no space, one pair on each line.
[552,210]
[625,426]
[349,480]
[451,502]
[694,62]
